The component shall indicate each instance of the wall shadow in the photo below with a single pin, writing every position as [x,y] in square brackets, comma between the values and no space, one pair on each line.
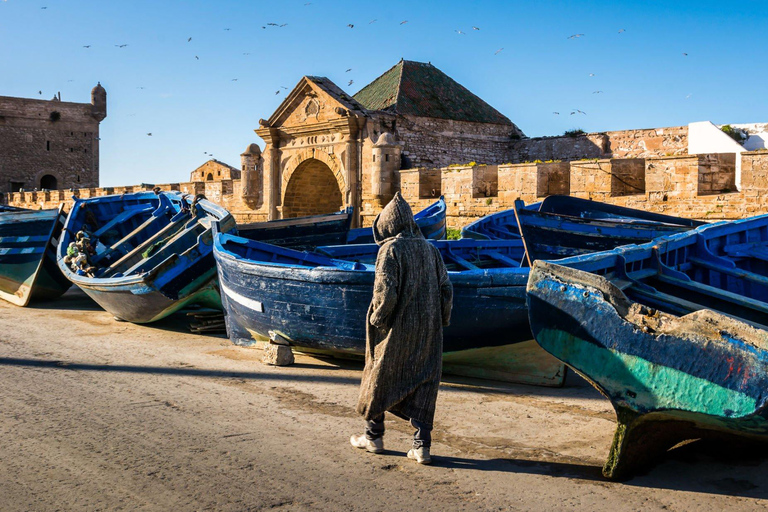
[185,372]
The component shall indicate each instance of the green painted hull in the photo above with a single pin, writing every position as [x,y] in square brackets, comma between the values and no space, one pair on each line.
[28,269]
[669,378]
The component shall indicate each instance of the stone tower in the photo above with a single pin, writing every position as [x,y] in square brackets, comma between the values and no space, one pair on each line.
[99,102]
[385,162]
[252,172]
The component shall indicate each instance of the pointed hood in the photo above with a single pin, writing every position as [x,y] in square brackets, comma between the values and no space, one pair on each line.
[395,219]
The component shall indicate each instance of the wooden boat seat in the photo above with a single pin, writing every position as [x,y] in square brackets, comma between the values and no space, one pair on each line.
[459,260]
[733,272]
[503,259]
[757,250]
[717,293]
[136,251]
[122,217]
[193,230]
[123,243]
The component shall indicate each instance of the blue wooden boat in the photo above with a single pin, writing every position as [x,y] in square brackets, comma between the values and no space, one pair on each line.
[28,270]
[674,333]
[566,226]
[152,253]
[497,226]
[301,233]
[7,208]
[306,233]
[318,302]
[431,222]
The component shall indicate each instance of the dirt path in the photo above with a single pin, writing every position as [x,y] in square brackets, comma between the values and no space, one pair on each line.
[97,415]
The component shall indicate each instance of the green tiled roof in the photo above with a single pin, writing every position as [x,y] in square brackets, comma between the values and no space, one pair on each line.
[418,89]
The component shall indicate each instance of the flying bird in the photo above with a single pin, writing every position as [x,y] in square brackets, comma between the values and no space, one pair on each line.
[591,74]
[121,45]
[281,26]
[43,7]
[277,91]
[498,51]
[234,79]
[688,96]
[272,24]
[622,30]
[139,87]
[404,22]
[685,54]
[86,46]
[347,71]
[460,32]
[577,111]
[597,92]
[350,25]
[246,53]
[373,21]
[149,134]
[556,113]
[40,92]
[350,83]
[475,28]
[574,36]
[227,29]
[197,58]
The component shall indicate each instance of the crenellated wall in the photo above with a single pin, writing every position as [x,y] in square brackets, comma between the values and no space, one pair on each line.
[695,186]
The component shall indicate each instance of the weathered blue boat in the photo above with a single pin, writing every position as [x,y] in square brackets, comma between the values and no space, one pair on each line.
[28,270]
[673,332]
[7,208]
[497,226]
[431,222]
[566,226]
[301,233]
[318,302]
[152,253]
[306,233]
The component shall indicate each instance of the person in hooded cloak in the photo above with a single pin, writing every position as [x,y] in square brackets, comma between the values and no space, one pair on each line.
[411,304]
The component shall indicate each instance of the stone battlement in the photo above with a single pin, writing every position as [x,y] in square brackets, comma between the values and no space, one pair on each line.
[694,186]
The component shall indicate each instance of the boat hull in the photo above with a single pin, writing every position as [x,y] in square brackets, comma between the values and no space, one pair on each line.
[669,378]
[28,270]
[155,254]
[324,309]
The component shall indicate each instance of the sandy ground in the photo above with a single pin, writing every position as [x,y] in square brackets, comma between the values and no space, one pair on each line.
[101,415]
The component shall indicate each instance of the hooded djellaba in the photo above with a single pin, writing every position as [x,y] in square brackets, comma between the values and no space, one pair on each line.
[412,299]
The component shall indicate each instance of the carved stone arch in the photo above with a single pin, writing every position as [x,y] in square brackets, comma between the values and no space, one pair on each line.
[312,153]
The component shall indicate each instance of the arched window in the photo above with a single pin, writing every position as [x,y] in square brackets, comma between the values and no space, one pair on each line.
[48,182]
[209,177]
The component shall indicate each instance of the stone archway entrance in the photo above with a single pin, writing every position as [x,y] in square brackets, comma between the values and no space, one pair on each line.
[311,190]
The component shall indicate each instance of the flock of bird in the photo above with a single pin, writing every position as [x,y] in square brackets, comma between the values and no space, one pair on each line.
[351,81]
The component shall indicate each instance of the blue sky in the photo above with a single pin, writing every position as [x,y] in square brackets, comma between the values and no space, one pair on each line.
[193,105]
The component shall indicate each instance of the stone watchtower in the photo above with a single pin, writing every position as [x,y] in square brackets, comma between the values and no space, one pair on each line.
[253,170]
[50,144]
[99,102]
[385,162]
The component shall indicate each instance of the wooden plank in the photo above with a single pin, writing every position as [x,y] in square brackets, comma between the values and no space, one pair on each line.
[733,272]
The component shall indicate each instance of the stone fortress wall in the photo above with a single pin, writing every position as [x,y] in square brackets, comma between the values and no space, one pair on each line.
[50,144]
[694,186]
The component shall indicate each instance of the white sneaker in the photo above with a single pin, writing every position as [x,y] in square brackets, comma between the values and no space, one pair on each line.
[420,455]
[373,446]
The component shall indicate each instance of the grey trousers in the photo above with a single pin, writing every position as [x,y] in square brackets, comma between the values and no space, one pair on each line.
[374,429]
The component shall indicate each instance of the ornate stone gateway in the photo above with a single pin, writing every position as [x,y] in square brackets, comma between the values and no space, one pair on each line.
[312,157]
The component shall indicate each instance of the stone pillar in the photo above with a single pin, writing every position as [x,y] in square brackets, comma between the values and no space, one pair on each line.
[271,172]
[385,163]
[252,174]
